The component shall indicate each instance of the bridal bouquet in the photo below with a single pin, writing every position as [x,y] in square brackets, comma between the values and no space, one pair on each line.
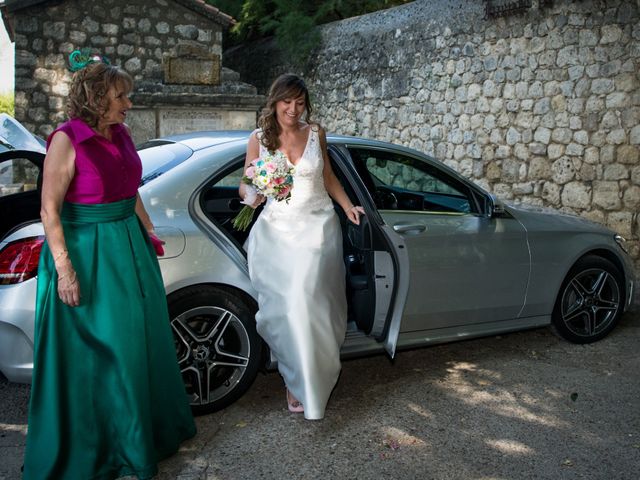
[270,176]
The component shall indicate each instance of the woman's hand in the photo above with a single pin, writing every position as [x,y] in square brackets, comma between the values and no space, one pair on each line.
[250,196]
[156,242]
[248,193]
[260,199]
[68,286]
[353,213]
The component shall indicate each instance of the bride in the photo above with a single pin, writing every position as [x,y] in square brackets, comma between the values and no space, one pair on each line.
[295,251]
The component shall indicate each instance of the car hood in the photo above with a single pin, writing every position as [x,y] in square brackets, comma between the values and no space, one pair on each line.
[545,218]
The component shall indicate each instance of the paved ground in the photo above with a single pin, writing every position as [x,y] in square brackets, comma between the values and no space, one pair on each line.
[521,406]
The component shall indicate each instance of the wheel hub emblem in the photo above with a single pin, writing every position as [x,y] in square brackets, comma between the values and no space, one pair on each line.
[201,353]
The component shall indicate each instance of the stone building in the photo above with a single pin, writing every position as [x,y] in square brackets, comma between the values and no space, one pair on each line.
[541,106]
[172,49]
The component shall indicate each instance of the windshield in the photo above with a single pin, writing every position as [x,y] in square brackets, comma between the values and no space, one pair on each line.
[14,136]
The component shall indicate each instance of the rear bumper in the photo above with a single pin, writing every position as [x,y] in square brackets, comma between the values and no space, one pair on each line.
[17,314]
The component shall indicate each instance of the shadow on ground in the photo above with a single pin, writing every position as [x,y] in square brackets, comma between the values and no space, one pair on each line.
[525,405]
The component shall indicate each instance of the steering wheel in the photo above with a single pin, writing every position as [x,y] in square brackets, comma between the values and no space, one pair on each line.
[385,199]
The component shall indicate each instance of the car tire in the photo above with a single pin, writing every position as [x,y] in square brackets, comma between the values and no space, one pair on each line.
[590,301]
[219,351]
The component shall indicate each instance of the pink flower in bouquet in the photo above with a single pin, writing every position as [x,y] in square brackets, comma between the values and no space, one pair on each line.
[279,180]
[251,171]
[270,167]
[284,192]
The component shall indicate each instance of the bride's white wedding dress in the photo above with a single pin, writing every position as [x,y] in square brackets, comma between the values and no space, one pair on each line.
[295,263]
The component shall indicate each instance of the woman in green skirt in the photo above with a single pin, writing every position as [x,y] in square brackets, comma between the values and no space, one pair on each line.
[107,398]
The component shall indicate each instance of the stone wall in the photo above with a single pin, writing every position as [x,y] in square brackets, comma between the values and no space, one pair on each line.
[541,107]
[134,34]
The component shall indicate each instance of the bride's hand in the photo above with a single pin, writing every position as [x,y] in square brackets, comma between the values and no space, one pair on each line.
[259,200]
[353,213]
[251,197]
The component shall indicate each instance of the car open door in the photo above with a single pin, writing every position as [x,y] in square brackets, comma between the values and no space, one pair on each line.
[20,181]
[376,260]
[21,162]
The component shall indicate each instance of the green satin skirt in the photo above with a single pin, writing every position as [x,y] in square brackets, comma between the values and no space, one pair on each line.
[107,398]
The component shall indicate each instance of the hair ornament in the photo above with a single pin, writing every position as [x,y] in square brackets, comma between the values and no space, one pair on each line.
[83,57]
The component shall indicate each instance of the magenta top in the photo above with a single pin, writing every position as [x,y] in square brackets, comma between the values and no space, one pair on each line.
[106,171]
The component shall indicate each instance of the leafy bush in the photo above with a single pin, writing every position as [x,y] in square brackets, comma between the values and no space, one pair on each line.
[6,103]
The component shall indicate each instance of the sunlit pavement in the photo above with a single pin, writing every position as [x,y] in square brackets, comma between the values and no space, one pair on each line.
[520,406]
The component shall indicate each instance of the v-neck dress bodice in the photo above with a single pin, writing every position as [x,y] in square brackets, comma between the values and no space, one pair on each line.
[308,193]
[295,261]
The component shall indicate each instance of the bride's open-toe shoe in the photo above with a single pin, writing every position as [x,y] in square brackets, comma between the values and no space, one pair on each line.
[294,405]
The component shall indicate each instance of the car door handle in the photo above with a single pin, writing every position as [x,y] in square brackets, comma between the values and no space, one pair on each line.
[409,227]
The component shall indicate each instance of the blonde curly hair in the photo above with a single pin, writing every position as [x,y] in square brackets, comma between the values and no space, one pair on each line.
[89,87]
[285,86]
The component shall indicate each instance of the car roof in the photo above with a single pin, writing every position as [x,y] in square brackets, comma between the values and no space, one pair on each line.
[203,139]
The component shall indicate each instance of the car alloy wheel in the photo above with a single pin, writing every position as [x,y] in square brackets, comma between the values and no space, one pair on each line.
[590,301]
[217,345]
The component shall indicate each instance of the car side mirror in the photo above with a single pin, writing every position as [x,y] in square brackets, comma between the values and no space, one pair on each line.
[495,208]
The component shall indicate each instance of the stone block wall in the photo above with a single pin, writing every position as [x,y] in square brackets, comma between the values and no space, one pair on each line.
[541,107]
[132,33]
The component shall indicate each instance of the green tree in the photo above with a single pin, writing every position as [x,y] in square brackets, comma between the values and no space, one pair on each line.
[7,103]
[292,21]
[292,24]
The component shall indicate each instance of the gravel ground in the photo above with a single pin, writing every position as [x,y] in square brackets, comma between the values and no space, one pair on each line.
[525,405]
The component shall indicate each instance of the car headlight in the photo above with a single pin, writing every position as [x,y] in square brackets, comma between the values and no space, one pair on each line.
[622,242]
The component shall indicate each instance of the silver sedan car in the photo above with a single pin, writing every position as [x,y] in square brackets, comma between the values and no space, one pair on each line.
[436,259]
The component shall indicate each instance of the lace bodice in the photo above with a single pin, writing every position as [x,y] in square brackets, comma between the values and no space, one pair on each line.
[308,193]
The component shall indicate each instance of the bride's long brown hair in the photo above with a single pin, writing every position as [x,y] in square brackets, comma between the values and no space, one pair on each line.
[287,86]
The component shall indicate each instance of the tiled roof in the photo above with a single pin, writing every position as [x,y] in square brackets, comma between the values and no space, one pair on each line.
[198,6]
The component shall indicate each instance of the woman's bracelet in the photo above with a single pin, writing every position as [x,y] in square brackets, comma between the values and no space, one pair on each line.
[72,272]
[350,208]
[59,255]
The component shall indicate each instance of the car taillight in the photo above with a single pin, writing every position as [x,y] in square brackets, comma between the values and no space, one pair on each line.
[19,260]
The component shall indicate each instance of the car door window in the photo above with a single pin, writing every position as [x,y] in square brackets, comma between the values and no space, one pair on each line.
[220,199]
[20,178]
[18,175]
[232,179]
[398,182]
